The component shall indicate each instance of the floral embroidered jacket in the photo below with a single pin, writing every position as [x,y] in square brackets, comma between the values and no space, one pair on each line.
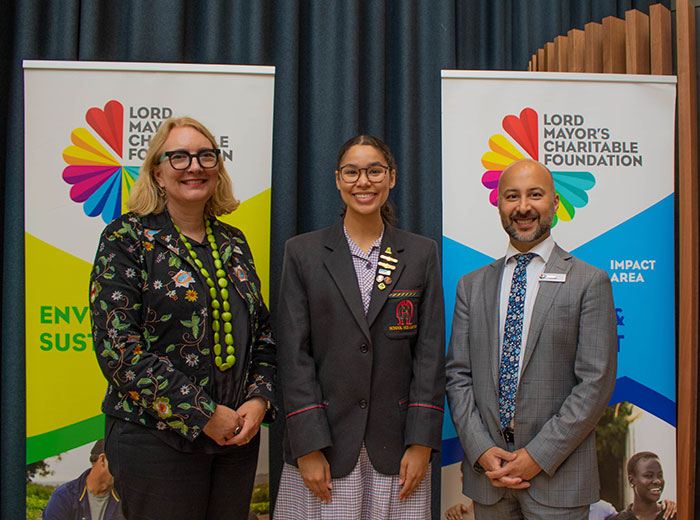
[152,333]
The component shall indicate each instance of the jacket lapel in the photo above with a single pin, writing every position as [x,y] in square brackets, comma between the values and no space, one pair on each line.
[339,264]
[243,278]
[492,287]
[390,247]
[159,228]
[558,263]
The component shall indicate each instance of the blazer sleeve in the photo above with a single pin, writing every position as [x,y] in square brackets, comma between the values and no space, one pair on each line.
[117,282]
[595,369]
[307,424]
[472,431]
[427,390]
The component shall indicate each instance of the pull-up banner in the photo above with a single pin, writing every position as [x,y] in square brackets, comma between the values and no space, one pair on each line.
[608,140]
[87,128]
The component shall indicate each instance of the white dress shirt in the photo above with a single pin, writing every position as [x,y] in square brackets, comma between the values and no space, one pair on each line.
[535,268]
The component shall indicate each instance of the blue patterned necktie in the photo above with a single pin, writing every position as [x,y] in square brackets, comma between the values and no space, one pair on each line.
[512,340]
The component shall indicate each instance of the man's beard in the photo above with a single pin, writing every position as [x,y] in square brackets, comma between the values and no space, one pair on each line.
[544,225]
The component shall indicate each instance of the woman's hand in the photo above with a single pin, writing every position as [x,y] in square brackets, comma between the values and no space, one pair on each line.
[414,465]
[252,413]
[669,508]
[222,424]
[316,472]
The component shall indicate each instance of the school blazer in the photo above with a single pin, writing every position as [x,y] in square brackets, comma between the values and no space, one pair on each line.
[348,378]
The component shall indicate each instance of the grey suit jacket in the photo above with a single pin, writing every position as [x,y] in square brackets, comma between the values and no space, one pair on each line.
[348,377]
[567,378]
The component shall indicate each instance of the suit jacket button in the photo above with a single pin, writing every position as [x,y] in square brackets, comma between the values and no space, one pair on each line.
[363,403]
[363,348]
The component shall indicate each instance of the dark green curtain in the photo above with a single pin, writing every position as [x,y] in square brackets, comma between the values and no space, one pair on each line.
[342,67]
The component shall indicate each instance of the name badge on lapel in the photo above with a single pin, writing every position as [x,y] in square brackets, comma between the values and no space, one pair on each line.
[553,277]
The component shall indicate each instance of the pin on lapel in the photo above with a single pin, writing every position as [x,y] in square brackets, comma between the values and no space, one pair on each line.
[387,280]
[385,272]
[381,286]
[388,251]
[380,278]
[386,266]
[388,258]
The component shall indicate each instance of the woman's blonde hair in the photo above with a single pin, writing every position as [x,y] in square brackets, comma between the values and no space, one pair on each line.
[147,197]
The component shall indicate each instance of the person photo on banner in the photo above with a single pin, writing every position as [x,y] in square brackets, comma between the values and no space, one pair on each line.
[91,495]
[602,510]
[462,510]
[531,364]
[646,477]
[182,336]
[360,329]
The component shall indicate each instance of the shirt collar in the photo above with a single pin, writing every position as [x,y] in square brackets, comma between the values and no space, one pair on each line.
[543,250]
[357,250]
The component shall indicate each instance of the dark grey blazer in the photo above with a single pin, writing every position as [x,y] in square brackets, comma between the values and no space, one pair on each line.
[567,378]
[348,377]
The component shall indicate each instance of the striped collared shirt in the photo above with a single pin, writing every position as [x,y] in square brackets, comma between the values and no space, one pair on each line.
[365,266]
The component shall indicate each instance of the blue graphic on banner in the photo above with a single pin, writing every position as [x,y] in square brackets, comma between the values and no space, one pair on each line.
[627,389]
[451,451]
[638,256]
[457,260]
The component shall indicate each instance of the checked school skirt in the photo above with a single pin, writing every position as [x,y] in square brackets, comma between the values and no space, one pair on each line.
[363,494]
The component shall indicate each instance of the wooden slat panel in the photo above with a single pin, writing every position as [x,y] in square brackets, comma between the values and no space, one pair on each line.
[561,49]
[660,37]
[593,58]
[533,62]
[687,198]
[637,41]
[649,49]
[577,50]
[550,56]
[614,45]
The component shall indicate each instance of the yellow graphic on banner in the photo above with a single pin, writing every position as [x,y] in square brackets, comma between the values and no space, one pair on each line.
[127,182]
[65,386]
[253,218]
[64,383]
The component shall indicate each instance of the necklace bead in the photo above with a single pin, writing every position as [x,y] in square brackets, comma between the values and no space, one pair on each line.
[217,317]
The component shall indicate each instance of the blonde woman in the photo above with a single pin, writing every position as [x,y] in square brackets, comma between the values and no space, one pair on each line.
[182,336]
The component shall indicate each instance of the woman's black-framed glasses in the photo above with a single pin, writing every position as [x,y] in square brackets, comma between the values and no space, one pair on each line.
[181,160]
[375,173]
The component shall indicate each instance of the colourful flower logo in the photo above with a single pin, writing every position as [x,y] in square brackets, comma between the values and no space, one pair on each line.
[97,174]
[571,186]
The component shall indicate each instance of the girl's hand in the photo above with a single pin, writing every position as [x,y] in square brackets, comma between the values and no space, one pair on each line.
[414,465]
[316,472]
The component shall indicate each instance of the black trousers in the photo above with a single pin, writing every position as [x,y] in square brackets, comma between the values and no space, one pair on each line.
[156,482]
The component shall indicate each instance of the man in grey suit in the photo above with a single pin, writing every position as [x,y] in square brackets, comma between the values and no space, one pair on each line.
[531,364]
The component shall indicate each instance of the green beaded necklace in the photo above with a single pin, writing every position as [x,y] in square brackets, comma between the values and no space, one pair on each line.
[220,308]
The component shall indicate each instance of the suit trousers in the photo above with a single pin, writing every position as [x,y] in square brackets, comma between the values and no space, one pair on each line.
[517,504]
[156,481]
